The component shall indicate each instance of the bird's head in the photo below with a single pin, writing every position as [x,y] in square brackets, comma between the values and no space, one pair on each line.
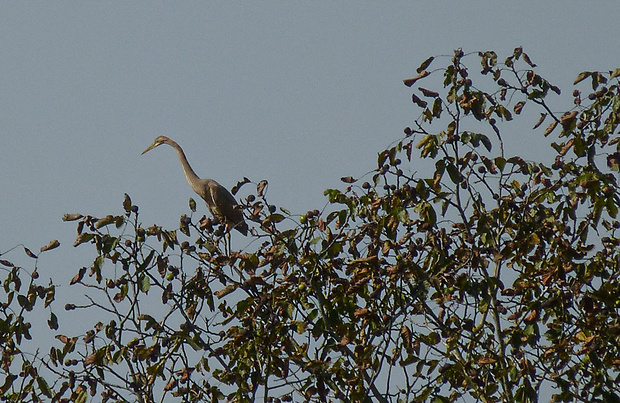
[158,141]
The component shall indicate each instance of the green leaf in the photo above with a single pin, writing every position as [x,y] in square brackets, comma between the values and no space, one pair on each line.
[8,382]
[500,162]
[487,143]
[44,387]
[146,261]
[82,396]
[274,218]
[145,283]
[53,322]
[454,173]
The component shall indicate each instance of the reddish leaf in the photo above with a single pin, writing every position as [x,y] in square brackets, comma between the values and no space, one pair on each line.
[78,277]
[429,93]
[29,253]
[410,81]
[425,64]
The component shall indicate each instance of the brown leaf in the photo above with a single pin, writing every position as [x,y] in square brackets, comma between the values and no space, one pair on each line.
[527,60]
[170,385]
[416,100]
[29,253]
[91,359]
[63,339]
[550,128]
[52,245]
[486,360]
[567,119]
[78,277]
[533,316]
[425,64]
[260,188]
[71,217]
[428,93]
[348,179]
[519,107]
[582,76]
[410,81]
[236,188]
[540,121]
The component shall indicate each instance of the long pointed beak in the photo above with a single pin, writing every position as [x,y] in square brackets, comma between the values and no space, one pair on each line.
[150,148]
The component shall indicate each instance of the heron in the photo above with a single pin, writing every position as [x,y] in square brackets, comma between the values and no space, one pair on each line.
[220,202]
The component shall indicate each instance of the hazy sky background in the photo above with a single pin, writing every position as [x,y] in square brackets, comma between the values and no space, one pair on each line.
[298,93]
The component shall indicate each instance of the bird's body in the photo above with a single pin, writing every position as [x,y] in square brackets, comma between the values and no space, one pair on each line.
[219,200]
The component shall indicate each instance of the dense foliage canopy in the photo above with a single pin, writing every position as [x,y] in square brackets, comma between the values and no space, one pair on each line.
[453,271]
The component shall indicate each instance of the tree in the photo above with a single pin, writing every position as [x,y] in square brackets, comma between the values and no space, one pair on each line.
[484,275]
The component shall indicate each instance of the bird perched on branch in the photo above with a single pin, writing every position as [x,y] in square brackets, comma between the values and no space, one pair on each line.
[220,201]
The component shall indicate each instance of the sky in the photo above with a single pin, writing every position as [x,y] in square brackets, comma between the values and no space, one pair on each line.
[297,93]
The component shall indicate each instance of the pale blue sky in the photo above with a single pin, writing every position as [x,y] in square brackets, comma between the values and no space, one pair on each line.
[298,93]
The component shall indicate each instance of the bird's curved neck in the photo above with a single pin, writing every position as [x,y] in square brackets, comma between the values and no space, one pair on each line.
[190,175]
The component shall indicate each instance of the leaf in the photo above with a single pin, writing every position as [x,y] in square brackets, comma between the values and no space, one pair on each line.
[527,60]
[582,76]
[83,238]
[260,188]
[540,121]
[8,382]
[52,322]
[78,277]
[567,120]
[613,161]
[428,93]
[192,205]
[71,217]
[225,291]
[127,203]
[52,245]
[615,73]
[273,218]
[425,64]
[43,386]
[348,179]
[416,100]
[29,253]
[486,360]
[236,188]
[487,143]
[410,81]
[454,174]
[145,284]
[519,107]
[107,220]
[550,128]
[146,261]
